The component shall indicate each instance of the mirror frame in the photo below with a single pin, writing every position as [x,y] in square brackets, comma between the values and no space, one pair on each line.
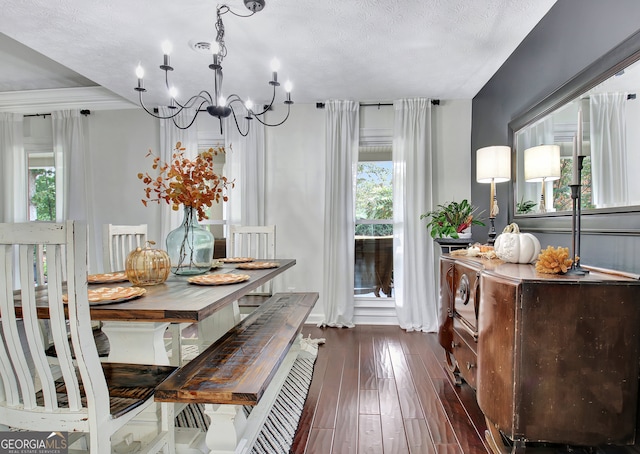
[611,63]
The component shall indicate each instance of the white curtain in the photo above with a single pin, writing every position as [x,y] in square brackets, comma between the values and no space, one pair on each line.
[13,169]
[169,136]
[608,149]
[413,258]
[74,197]
[245,165]
[343,127]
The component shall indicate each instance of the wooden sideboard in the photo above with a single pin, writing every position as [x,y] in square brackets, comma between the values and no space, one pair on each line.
[553,358]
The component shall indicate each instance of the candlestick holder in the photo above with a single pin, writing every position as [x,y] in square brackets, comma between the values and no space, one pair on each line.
[576,227]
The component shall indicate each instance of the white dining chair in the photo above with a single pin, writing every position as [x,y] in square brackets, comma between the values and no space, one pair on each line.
[118,241]
[76,394]
[258,242]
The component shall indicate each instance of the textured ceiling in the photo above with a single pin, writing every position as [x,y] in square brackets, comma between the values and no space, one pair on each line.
[365,50]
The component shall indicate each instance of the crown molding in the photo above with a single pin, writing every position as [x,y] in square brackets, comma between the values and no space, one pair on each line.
[45,101]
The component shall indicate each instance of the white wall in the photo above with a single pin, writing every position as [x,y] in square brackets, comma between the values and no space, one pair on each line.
[119,141]
[295,196]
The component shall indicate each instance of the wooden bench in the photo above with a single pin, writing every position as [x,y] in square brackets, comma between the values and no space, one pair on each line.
[246,366]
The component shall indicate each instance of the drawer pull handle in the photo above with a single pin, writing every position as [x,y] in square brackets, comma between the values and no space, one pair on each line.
[454,345]
[470,365]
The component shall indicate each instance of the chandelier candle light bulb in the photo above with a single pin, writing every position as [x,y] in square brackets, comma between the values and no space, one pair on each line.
[166,50]
[140,76]
[275,67]
[288,86]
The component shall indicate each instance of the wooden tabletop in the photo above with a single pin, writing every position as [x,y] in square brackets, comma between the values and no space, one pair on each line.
[178,301]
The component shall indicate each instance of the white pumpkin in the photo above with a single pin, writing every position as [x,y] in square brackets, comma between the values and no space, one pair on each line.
[515,247]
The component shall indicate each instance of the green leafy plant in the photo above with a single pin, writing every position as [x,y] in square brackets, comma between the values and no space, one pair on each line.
[44,197]
[525,206]
[452,218]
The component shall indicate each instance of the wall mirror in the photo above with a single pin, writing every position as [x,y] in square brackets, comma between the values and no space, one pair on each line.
[594,115]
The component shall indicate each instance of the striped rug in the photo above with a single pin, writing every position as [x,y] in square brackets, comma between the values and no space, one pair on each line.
[280,427]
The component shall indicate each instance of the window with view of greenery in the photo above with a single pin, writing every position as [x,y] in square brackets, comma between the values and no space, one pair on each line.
[562,192]
[41,180]
[374,229]
[374,197]
[43,197]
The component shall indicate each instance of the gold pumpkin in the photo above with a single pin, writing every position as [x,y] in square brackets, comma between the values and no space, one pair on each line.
[147,266]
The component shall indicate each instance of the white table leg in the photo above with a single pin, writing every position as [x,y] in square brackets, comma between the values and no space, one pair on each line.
[136,342]
[213,328]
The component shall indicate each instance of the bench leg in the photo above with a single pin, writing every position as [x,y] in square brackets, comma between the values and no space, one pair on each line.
[226,428]
[230,430]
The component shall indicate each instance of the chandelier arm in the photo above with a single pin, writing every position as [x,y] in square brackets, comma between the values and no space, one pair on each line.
[160,117]
[275,124]
[243,134]
[191,101]
[195,115]
[235,98]
[268,106]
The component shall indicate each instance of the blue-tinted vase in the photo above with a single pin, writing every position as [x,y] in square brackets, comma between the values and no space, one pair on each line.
[190,246]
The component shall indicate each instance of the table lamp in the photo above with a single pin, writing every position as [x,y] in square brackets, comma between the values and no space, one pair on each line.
[493,165]
[542,163]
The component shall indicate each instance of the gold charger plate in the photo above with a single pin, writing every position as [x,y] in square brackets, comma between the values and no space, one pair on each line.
[218,279]
[109,295]
[237,259]
[107,278]
[257,265]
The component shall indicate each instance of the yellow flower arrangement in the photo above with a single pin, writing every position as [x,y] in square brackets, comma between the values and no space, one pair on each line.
[553,261]
[191,183]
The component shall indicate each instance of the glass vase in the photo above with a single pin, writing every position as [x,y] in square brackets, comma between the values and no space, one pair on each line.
[190,246]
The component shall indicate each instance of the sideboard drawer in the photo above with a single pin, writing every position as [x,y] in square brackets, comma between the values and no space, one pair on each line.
[466,358]
[465,298]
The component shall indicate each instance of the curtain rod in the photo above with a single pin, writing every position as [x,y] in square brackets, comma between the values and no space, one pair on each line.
[83,112]
[320,105]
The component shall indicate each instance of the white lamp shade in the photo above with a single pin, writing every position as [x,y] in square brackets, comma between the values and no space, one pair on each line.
[493,163]
[542,163]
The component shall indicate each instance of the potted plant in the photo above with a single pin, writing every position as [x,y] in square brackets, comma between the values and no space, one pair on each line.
[525,206]
[452,219]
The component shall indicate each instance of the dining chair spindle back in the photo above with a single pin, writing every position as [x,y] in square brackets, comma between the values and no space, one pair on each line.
[258,242]
[76,392]
[118,241]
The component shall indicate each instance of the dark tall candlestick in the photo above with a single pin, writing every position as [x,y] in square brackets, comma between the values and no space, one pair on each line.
[576,226]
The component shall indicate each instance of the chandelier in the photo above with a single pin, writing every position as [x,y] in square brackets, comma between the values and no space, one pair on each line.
[216,104]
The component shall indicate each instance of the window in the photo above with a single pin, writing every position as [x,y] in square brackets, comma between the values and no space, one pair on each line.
[374,223]
[41,182]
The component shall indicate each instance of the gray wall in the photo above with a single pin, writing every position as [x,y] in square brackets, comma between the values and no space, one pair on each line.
[569,38]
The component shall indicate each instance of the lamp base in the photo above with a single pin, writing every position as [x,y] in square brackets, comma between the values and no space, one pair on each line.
[492,232]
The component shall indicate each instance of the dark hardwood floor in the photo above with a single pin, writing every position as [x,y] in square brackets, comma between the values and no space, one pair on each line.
[379,389]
